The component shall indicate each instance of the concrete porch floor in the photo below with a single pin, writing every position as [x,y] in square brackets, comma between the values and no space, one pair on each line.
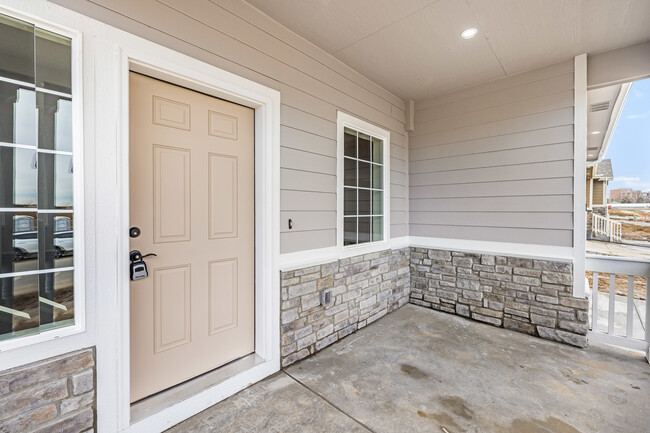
[426,371]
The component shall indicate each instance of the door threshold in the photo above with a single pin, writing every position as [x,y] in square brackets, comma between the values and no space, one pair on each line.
[164,399]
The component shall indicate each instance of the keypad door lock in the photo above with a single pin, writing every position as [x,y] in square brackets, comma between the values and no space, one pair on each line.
[138,266]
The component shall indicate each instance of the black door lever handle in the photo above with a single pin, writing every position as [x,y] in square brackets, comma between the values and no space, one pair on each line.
[137,256]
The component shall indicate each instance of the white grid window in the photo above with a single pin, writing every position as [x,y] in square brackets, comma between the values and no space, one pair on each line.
[363,188]
[36,180]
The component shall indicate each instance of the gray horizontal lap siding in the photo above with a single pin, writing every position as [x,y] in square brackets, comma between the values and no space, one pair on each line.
[237,37]
[495,162]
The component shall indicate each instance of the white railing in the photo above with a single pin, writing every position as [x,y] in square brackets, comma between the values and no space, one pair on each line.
[631,268]
[607,227]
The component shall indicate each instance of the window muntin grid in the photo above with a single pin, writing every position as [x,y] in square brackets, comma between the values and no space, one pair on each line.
[363,188]
[36,181]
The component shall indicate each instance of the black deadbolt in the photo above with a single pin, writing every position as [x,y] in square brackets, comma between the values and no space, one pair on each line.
[134,232]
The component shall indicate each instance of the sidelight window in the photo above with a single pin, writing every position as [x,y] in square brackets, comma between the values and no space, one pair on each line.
[37,218]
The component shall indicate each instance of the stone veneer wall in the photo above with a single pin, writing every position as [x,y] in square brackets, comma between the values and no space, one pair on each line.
[54,395]
[363,289]
[527,295]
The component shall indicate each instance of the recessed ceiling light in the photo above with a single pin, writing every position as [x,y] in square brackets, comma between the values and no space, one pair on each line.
[595,132]
[469,33]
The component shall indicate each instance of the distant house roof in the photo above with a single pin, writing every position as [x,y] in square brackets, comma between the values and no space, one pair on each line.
[604,170]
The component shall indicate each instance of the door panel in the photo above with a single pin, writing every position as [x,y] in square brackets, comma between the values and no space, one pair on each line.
[172,211]
[171,113]
[171,306]
[223,295]
[192,195]
[223,196]
[222,125]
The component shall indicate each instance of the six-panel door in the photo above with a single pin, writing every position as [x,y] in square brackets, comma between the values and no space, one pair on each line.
[192,194]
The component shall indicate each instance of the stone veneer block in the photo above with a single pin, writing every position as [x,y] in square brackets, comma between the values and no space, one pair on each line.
[525,295]
[53,395]
[363,288]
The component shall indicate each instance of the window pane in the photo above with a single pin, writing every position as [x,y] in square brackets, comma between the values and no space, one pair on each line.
[350,143]
[53,61]
[54,122]
[19,309]
[18,177]
[377,150]
[377,176]
[54,181]
[364,174]
[18,242]
[17,114]
[377,203]
[364,230]
[364,202]
[55,240]
[16,49]
[349,201]
[350,172]
[57,300]
[377,229]
[364,146]
[349,230]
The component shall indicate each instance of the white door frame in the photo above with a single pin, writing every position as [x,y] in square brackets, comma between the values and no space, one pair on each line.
[177,68]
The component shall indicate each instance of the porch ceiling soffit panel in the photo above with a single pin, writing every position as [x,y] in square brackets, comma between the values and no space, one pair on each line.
[413,48]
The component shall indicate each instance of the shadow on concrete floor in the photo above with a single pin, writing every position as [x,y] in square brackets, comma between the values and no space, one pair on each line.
[418,370]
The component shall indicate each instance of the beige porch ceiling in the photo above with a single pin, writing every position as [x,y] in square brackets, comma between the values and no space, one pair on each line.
[413,47]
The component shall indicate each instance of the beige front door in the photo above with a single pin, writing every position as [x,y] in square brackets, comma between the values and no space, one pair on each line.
[191,167]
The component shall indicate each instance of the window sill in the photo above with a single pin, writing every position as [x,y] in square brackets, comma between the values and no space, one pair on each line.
[367,248]
[41,337]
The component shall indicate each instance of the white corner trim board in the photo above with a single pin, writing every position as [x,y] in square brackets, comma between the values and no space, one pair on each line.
[579,178]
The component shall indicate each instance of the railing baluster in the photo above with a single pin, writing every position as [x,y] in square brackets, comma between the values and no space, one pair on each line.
[612,303]
[647,310]
[630,306]
[594,302]
[609,229]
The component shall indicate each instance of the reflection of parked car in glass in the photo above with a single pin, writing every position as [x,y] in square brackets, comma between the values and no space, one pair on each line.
[63,243]
[62,223]
[25,245]
[24,223]
[26,237]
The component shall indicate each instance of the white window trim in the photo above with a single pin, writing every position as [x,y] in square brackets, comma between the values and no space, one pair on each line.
[78,205]
[344,120]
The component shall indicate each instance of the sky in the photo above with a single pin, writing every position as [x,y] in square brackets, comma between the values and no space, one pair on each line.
[629,148]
